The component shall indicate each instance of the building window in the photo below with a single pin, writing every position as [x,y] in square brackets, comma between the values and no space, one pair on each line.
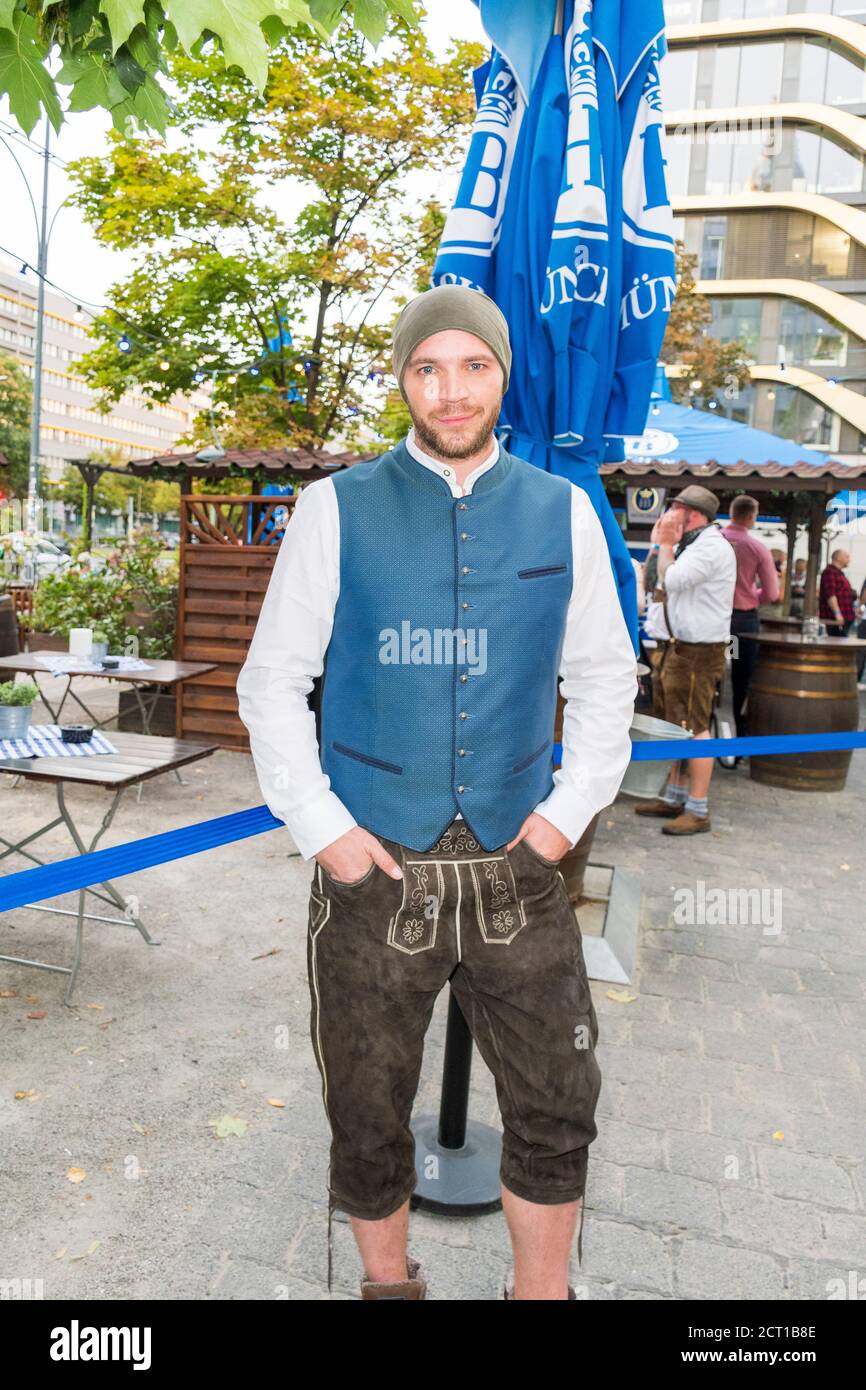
[738,321]
[810,339]
[798,416]
[712,259]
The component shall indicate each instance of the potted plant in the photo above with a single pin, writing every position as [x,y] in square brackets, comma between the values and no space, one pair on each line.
[99,645]
[16,707]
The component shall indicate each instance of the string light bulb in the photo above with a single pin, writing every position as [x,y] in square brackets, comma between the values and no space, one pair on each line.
[79,313]
[231,379]
[123,343]
[164,365]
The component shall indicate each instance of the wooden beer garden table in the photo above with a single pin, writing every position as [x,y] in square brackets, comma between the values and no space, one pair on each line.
[158,673]
[803,687]
[138,758]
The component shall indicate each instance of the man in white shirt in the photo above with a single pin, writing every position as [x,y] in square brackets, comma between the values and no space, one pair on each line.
[423,771]
[697,571]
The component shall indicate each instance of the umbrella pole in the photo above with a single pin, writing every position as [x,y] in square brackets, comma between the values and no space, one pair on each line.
[457,1160]
[560,14]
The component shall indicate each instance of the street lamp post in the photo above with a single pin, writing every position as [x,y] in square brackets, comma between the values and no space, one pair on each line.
[36,416]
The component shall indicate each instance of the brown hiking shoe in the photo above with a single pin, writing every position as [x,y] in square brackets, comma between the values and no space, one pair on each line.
[687,824]
[413,1287]
[657,808]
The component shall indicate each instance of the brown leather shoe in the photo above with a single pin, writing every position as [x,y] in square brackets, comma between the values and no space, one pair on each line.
[413,1287]
[687,824]
[657,808]
[508,1291]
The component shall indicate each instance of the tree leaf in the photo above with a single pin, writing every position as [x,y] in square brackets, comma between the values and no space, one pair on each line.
[150,105]
[406,10]
[371,18]
[238,28]
[131,73]
[122,16]
[23,77]
[6,9]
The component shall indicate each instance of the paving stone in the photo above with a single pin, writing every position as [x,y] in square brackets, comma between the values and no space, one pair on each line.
[705,1269]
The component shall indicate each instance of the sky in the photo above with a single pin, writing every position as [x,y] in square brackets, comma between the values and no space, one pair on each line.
[76,263]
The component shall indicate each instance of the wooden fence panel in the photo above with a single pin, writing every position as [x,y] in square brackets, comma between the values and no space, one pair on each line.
[228,546]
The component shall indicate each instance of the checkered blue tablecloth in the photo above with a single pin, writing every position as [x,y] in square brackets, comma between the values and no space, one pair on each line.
[44,741]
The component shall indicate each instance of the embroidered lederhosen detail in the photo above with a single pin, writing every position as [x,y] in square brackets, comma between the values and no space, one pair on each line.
[455,841]
[498,908]
[413,926]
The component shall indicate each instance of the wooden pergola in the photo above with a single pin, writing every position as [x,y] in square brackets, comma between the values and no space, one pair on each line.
[800,491]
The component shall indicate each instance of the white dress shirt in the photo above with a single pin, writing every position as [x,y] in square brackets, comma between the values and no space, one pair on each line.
[597,668]
[700,588]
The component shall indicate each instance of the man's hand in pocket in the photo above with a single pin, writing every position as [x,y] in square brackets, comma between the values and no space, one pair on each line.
[348,859]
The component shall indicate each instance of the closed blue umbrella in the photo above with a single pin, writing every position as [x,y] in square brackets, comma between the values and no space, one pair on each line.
[562,217]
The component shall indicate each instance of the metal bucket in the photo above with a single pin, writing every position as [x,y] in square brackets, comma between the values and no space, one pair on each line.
[646,780]
[15,720]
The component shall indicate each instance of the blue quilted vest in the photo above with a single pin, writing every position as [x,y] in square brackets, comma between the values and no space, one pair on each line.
[440,678]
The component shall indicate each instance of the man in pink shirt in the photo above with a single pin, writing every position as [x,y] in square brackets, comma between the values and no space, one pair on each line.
[755,568]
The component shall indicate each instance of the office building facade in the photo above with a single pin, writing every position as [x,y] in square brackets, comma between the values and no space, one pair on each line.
[71,425]
[764,104]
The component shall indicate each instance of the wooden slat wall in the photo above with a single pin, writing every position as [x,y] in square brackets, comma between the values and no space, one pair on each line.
[222,585]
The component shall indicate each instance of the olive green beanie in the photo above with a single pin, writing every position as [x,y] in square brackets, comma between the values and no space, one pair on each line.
[446,307]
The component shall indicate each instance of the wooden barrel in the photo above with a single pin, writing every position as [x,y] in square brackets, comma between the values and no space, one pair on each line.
[8,627]
[804,688]
[794,625]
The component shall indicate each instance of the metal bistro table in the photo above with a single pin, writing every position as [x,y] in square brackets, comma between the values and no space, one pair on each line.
[138,758]
[159,673]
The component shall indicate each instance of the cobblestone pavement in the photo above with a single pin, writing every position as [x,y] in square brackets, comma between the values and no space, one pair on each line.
[730,1157]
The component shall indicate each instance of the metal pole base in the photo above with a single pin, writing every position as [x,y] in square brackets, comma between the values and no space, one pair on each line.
[456,1182]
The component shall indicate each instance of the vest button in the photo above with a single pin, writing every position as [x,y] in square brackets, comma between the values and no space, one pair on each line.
[464,535]
[461,506]
[465,569]
[467,605]
[464,678]
[461,752]
[463,714]
[461,789]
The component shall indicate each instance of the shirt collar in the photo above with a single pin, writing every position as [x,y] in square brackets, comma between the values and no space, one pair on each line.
[446,471]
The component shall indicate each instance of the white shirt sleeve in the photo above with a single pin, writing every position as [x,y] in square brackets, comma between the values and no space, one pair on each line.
[286,653]
[599,683]
[697,563]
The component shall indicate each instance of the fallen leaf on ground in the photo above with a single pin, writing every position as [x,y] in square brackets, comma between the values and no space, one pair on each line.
[76,1174]
[38,1013]
[621,996]
[228,1125]
[779,1134]
[26,1095]
[76,1050]
[8,994]
[279,1104]
[92,1247]
[58,1254]
[94,1006]
[274,951]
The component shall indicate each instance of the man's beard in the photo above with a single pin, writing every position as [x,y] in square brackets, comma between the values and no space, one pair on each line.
[430,439]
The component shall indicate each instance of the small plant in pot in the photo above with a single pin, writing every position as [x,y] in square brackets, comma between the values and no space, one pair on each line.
[99,645]
[16,707]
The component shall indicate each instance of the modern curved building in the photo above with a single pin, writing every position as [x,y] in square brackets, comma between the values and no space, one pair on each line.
[764,106]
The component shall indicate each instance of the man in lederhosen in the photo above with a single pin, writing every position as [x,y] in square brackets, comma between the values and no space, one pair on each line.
[444,587]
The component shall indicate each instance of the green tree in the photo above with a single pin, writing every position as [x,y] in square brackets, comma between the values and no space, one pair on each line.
[285,320]
[114,53]
[717,366]
[15,398]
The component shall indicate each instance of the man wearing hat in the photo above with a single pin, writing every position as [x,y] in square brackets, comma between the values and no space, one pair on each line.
[697,574]
[444,587]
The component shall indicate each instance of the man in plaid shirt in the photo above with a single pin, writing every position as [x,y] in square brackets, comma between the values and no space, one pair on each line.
[836,596]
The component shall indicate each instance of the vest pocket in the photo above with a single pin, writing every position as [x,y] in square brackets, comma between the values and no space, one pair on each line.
[541,569]
[365,758]
[525,762]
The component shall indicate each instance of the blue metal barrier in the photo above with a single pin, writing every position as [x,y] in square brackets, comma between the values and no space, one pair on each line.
[82,871]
